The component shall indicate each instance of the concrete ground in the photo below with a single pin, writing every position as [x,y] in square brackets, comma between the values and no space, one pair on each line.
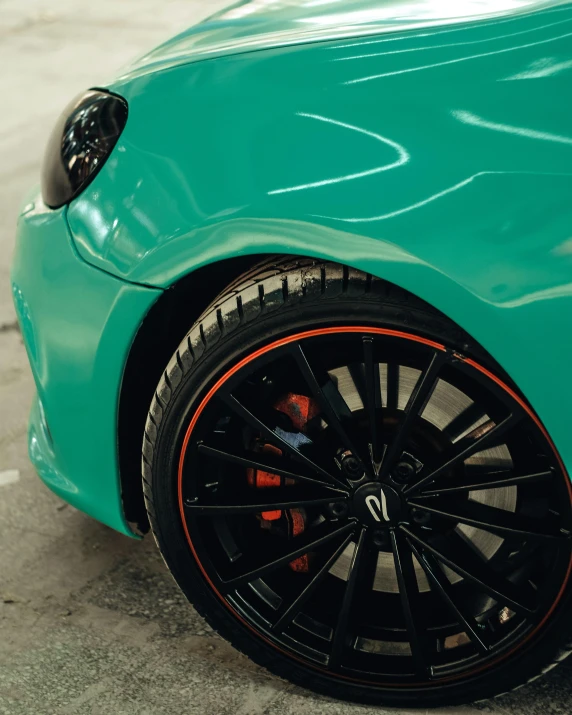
[90,621]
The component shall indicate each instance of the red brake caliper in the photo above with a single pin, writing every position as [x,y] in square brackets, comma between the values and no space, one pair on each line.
[292,522]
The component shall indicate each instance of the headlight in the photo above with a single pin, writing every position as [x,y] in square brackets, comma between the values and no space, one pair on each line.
[81,141]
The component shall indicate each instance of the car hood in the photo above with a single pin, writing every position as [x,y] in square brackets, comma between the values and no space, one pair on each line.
[262,24]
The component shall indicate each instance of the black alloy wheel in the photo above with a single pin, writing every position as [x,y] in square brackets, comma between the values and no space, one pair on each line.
[374,505]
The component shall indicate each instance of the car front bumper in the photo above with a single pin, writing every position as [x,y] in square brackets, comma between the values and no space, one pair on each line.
[78,324]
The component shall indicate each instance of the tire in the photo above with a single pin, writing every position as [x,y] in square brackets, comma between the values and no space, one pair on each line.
[282,297]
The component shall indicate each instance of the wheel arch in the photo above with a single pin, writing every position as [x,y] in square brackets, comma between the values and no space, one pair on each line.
[191,292]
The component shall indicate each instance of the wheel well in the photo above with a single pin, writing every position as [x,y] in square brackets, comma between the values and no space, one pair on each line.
[161,332]
[159,335]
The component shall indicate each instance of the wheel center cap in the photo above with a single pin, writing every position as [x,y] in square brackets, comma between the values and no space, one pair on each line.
[377,504]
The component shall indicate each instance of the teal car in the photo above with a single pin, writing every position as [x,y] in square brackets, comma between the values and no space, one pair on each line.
[296,293]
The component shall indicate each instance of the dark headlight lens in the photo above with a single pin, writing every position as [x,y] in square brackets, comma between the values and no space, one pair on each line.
[80,143]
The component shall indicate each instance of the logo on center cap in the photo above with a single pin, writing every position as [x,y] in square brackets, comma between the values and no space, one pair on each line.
[377,506]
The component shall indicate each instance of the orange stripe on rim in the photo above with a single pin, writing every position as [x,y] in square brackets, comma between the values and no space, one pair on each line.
[376,331]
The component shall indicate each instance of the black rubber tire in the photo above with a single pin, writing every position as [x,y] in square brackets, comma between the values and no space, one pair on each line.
[278,297]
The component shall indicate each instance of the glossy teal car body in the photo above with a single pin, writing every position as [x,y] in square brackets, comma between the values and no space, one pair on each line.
[432,150]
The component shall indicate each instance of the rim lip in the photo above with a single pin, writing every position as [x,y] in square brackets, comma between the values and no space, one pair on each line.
[390,333]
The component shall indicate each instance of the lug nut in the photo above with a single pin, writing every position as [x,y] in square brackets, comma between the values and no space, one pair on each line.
[403,472]
[351,466]
[338,509]
[420,517]
[380,538]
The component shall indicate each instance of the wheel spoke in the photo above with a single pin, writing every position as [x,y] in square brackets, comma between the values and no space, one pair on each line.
[483,437]
[441,585]
[267,463]
[488,481]
[275,439]
[490,518]
[415,405]
[461,558]
[392,385]
[340,640]
[463,421]
[332,404]
[373,401]
[410,605]
[263,500]
[356,370]
[296,606]
[310,540]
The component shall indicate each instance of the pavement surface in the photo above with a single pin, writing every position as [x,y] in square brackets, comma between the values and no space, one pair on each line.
[91,623]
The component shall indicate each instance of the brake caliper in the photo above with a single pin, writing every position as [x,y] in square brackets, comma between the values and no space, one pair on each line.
[291,522]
